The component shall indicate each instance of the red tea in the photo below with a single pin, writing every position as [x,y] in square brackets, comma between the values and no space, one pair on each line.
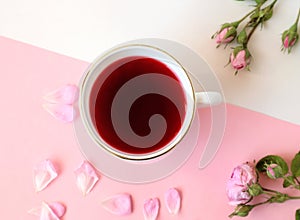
[113,78]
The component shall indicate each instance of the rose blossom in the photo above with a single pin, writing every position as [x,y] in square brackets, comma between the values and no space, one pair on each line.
[241,178]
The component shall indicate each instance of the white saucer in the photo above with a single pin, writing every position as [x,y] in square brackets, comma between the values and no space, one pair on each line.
[152,170]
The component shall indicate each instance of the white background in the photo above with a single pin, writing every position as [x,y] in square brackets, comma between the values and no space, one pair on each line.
[83,29]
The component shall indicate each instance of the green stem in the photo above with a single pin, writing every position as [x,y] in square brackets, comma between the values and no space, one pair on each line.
[243,18]
[297,20]
[273,3]
[296,179]
[271,198]
[262,203]
[252,31]
[249,13]
[258,22]
[269,193]
[275,197]
[269,190]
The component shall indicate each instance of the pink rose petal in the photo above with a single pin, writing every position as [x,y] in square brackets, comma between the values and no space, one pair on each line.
[237,194]
[61,112]
[67,94]
[58,208]
[173,201]
[44,173]
[151,208]
[86,177]
[120,204]
[48,211]
[286,42]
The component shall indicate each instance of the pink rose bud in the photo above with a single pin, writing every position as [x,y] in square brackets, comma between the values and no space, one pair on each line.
[274,171]
[287,43]
[289,38]
[271,172]
[225,36]
[242,177]
[240,58]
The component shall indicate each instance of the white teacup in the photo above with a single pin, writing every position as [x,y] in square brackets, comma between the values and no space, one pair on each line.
[137,102]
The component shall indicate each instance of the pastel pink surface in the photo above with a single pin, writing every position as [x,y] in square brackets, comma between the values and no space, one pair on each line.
[29,134]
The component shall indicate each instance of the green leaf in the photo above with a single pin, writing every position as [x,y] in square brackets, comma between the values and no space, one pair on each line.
[263,163]
[288,181]
[297,215]
[295,166]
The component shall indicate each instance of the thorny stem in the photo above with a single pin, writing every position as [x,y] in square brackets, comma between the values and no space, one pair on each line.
[297,20]
[273,3]
[243,18]
[252,31]
[271,198]
[260,20]
[269,190]
[249,13]
[296,179]
[262,203]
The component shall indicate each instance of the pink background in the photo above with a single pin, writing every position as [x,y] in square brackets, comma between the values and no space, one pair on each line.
[29,135]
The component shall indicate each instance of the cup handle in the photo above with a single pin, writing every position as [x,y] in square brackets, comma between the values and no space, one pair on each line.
[204,99]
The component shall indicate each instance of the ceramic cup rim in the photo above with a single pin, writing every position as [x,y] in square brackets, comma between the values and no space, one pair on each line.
[85,111]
